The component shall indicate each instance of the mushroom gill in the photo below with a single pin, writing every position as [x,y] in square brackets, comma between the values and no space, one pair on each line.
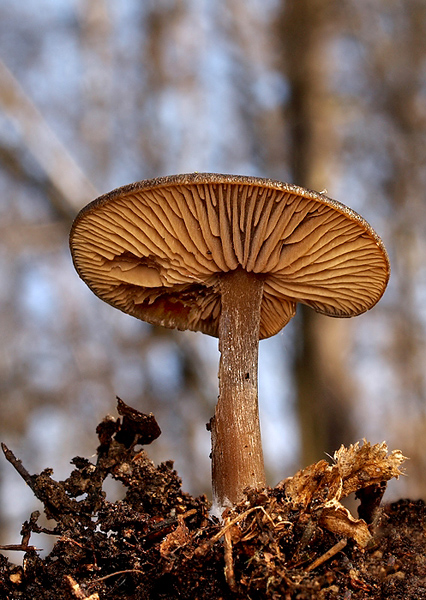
[156,242]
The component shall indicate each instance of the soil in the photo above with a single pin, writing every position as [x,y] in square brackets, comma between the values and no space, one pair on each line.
[294,541]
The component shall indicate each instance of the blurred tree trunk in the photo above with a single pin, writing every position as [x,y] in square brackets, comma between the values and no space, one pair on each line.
[322,375]
[402,101]
[97,48]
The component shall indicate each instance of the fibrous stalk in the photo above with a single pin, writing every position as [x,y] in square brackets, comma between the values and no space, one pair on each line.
[237,457]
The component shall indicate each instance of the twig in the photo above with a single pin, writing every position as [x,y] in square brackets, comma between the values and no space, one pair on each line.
[113,575]
[329,554]
[217,536]
[17,464]
[229,563]
[201,550]
[77,592]
[20,547]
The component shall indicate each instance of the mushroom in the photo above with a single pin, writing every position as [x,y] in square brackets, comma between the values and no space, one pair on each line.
[229,256]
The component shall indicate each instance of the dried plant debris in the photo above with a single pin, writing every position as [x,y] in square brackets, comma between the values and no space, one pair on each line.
[323,486]
[293,541]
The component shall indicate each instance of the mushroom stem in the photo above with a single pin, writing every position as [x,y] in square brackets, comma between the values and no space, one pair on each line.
[237,457]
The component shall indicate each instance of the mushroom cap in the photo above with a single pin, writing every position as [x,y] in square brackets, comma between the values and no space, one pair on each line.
[156,250]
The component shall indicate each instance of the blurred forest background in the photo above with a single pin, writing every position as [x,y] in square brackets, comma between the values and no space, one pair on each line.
[95,94]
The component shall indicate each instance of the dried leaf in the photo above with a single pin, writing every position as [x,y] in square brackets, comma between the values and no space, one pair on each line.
[337,519]
[323,486]
[318,482]
[177,538]
[365,465]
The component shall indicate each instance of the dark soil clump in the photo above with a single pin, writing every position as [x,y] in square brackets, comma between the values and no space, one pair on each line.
[294,541]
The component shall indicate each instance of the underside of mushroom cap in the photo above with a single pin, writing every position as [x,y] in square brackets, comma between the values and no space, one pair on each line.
[156,249]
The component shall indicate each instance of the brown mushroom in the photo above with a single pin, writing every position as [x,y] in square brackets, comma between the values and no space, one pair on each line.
[229,256]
